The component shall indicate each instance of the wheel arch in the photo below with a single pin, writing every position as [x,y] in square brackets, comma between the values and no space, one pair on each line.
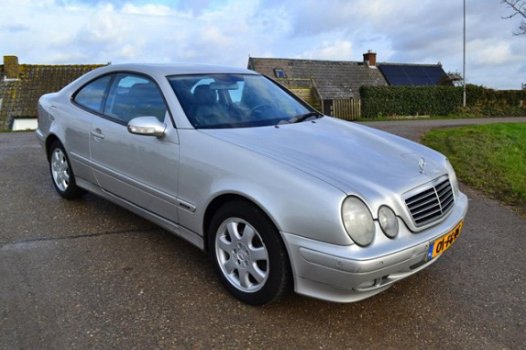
[221,200]
[287,280]
[49,141]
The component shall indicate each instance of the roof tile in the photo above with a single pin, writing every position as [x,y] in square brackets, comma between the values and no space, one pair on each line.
[333,79]
[19,98]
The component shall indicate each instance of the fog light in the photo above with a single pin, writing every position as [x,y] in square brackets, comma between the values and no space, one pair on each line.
[366,284]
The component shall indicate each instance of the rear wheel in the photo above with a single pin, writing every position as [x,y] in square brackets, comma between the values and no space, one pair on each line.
[248,254]
[62,174]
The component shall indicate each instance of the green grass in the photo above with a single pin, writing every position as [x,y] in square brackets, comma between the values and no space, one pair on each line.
[490,158]
[432,117]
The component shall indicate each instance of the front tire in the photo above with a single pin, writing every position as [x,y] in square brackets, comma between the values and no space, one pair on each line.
[61,173]
[248,254]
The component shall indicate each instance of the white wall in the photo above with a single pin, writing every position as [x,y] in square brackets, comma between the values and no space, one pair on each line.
[25,124]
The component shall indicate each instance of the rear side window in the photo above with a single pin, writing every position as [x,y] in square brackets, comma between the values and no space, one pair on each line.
[91,95]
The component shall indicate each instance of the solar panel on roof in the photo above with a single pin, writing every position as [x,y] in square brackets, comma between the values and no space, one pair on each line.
[411,74]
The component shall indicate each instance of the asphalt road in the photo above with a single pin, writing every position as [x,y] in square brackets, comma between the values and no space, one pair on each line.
[88,274]
[414,129]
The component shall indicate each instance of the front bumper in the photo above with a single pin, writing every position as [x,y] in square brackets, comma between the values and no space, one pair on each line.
[352,273]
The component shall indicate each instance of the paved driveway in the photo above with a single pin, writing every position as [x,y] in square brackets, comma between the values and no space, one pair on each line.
[414,129]
[87,274]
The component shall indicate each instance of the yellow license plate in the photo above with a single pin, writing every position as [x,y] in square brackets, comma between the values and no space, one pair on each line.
[445,242]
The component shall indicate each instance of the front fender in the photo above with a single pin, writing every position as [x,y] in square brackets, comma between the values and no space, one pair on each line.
[295,201]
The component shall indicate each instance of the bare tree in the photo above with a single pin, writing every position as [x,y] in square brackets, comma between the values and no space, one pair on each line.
[451,78]
[518,7]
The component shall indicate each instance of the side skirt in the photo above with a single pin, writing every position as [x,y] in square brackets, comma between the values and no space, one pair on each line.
[170,226]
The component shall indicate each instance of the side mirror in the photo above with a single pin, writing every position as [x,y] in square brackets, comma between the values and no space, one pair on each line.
[147,126]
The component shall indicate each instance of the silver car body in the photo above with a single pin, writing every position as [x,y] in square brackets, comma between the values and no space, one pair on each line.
[298,174]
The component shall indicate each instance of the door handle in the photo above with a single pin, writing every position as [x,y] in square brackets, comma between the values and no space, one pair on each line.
[97,134]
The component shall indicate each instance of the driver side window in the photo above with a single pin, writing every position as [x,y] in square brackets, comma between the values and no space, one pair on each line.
[133,96]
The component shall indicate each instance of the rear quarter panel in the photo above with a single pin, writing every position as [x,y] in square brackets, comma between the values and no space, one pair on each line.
[59,117]
[45,117]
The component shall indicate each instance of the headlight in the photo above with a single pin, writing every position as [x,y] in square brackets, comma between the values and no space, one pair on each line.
[452,176]
[388,221]
[358,221]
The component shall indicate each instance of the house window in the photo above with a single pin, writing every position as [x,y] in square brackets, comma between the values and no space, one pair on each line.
[279,73]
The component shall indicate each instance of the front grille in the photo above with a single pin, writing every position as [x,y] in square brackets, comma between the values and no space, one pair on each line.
[431,204]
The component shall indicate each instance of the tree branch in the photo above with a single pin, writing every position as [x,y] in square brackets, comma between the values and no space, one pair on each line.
[519,8]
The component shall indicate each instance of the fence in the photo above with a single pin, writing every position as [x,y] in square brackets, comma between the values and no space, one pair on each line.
[303,88]
[347,109]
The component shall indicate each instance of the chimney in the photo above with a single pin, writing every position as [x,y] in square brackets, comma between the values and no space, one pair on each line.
[369,58]
[11,70]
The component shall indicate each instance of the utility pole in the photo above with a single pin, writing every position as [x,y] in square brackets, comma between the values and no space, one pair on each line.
[464,60]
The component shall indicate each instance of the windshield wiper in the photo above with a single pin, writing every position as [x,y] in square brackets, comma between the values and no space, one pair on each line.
[302,117]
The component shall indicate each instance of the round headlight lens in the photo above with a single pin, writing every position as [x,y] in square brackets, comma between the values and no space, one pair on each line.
[452,176]
[358,221]
[388,221]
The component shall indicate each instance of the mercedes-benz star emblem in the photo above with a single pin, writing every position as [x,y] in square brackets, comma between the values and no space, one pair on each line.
[422,164]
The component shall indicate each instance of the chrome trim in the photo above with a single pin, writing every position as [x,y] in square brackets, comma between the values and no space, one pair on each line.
[186,205]
[439,198]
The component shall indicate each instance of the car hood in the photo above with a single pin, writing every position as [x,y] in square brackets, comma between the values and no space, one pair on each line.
[352,157]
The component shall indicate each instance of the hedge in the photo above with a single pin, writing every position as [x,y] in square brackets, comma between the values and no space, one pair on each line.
[380,101]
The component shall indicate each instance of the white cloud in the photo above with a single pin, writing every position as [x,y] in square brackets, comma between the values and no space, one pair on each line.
[491,53]
[227,31]
[146,10]
[335,50]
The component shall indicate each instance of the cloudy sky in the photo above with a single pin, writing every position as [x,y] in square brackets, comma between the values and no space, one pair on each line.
[228,31]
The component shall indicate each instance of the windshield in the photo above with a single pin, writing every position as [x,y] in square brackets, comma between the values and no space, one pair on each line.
[236,100]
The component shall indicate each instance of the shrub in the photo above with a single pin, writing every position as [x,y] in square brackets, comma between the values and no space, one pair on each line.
[378,101]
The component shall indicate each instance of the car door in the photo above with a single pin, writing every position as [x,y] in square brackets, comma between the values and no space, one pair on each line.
[86,101]
[140,169]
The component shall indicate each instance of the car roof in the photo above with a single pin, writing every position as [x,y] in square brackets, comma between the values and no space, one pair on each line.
[174,68]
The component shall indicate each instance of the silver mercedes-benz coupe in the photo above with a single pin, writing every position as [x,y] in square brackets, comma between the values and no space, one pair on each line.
[279,195]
